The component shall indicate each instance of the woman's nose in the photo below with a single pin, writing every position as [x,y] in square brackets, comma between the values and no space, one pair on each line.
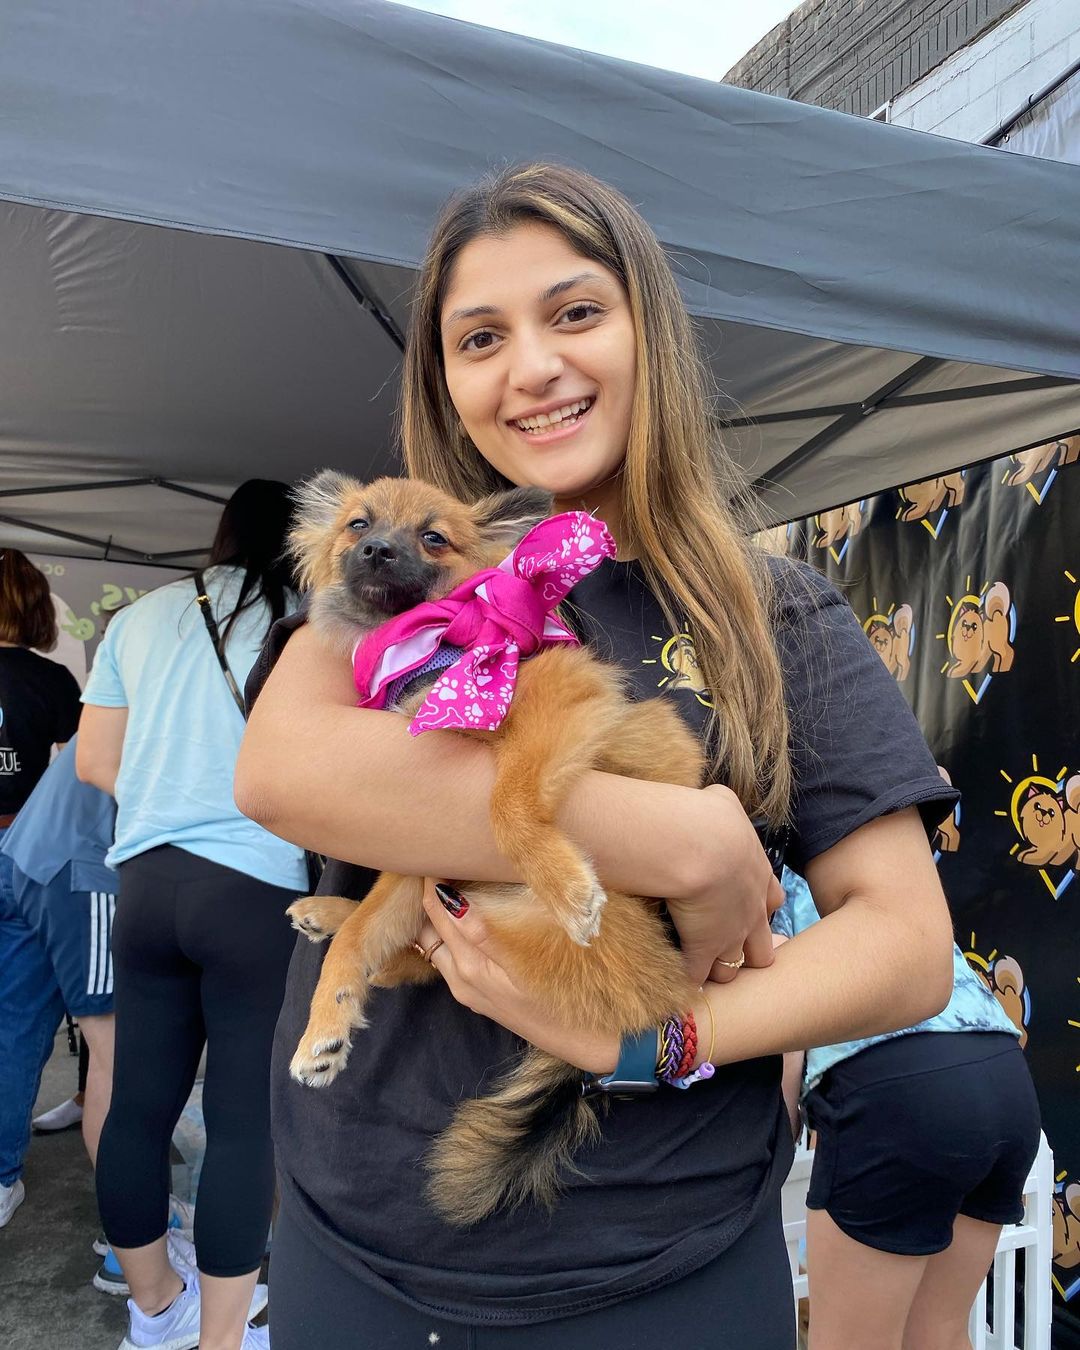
[535,363]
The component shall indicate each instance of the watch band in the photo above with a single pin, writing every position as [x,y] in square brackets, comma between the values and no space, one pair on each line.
[634,1074]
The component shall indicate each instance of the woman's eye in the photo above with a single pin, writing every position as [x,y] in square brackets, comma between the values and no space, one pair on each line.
[579,313]
[434,539]
[478,342]
[359,524]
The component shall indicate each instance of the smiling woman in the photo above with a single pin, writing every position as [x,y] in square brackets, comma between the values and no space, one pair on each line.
[549,349]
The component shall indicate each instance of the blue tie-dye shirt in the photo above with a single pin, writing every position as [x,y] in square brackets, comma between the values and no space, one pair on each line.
[971,1008]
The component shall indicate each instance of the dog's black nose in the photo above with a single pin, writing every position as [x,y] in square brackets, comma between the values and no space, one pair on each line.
[378,552]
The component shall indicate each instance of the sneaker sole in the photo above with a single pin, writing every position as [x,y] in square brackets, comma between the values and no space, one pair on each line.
[114,1287]
[189,1341]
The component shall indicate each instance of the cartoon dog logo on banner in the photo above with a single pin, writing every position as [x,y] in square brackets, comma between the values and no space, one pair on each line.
[1066,1228]
[1045,813]
[841,523]
[1050,822]
[980,633]
[892,636]
[919,501]
[1042,459]
[1004,978]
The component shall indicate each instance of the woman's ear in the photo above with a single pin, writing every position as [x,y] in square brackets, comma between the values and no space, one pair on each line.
[505,518]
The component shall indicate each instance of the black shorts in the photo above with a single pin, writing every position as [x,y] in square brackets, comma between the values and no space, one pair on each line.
[913,1131]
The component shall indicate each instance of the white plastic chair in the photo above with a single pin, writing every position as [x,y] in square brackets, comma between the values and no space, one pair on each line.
[1033,1236]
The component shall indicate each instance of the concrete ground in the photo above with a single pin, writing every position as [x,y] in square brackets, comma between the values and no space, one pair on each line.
[47,1301]
[46,1264]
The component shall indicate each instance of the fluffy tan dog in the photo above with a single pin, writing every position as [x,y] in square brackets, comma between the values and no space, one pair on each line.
[367,553]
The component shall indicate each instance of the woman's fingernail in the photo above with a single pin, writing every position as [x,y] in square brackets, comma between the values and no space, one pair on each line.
[452,901]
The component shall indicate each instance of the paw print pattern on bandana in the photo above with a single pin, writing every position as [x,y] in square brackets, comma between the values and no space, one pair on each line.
[476,693]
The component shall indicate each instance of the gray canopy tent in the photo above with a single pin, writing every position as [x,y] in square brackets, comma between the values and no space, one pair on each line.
[210,217]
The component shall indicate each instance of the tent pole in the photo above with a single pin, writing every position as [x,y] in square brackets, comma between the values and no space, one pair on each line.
[104,545]
[365,302]
[849,419]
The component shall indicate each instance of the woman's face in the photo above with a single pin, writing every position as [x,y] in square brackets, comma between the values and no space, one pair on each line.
[539,353]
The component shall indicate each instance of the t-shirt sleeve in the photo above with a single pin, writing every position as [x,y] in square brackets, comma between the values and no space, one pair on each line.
[272,648]
[68,707]
[104,687]
[857,751]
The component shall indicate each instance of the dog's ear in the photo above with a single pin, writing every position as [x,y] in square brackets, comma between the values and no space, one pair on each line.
[505,517]
[317,502]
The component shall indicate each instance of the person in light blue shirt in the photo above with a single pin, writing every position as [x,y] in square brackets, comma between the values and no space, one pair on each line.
[925,1137]
[201,942]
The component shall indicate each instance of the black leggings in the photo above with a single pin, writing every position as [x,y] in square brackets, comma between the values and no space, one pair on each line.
[740,1301]
[199,957]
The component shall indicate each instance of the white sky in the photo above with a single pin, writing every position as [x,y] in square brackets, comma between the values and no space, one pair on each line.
[699,37]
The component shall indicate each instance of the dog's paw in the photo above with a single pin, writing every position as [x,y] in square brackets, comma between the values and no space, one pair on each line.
[586,906]
[319,916]
[320,1058]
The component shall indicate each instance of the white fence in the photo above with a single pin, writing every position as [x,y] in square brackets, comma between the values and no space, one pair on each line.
[993,1318]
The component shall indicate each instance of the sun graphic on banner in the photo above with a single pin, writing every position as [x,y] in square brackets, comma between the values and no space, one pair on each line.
[1074,617]
[980,633]
[1044,814]
[678,656]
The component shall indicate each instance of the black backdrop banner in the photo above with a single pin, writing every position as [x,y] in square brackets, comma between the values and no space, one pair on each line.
[968,587]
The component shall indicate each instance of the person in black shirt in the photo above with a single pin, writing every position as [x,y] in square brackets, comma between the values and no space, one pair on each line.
[549,347]
[39,708]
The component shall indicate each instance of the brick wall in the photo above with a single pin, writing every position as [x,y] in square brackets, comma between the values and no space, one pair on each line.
[853,55]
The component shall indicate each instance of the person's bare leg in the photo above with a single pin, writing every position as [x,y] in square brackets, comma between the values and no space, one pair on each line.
[99,1034]
[150,1276]
[938,1319]
[225,1304]
[859,1296]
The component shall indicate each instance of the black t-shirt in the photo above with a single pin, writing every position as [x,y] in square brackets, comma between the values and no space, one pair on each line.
[677,1176]
[39,706]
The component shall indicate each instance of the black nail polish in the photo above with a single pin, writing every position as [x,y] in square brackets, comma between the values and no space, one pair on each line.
[452,901]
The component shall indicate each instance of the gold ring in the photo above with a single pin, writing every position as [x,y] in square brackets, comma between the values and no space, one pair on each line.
[427,952]
[731,965]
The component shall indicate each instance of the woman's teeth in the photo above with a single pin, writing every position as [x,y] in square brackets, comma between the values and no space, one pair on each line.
[542,421]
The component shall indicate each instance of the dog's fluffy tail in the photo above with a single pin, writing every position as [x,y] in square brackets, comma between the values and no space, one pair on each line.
[513,1146]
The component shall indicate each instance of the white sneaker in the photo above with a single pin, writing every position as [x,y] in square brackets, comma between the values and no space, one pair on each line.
[63,1117]
[255,1338]
[177,1328]
[11,1197]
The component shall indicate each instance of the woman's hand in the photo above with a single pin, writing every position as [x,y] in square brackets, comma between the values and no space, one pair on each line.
[723,916]
[468,961]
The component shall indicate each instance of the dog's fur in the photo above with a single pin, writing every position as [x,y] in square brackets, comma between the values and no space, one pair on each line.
[569,714]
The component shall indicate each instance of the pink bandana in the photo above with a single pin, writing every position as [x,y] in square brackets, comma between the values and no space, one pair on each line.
[497,617]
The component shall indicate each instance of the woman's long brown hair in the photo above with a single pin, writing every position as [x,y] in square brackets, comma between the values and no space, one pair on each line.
[684,508]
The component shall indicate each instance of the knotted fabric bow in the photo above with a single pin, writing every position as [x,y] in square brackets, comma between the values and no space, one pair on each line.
[496,618]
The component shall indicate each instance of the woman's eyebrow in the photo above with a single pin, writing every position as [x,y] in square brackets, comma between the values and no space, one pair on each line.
[490,311]
[568,285]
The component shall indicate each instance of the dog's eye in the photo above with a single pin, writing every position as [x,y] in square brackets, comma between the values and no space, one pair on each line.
[434,539]
[359,524]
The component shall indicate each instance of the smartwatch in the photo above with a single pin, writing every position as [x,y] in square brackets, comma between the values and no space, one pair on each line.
[635,1073]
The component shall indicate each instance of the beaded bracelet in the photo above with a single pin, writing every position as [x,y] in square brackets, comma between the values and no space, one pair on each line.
[678,1050]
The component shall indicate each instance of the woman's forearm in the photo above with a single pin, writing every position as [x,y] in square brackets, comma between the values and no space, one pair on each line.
[838,981]
[880,959]
[354,784]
